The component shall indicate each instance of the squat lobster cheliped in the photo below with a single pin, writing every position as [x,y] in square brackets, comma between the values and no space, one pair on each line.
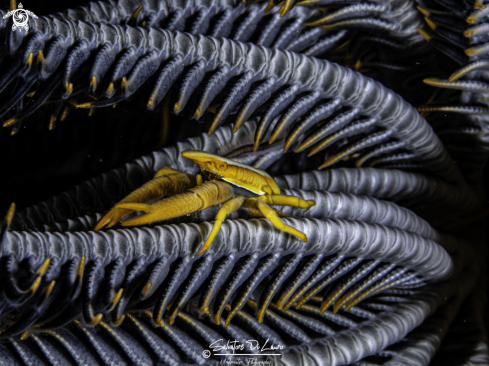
[227,182]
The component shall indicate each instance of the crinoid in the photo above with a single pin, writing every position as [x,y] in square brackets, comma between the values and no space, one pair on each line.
[71,41]
[299,93]
[355,269]
[394,266]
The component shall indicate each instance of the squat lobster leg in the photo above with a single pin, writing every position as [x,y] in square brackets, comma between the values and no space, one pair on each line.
[270,214]
[259,208]
[226,209]
[189,195]
[167,181]
[198,198]
[283,200]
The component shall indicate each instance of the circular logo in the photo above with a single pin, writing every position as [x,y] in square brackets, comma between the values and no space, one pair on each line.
[206,353]
[20,18]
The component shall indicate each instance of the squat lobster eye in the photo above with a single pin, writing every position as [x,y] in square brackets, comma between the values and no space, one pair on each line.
[221,165]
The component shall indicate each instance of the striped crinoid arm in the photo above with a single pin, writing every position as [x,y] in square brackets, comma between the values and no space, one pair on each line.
[173,15]
[214,18]
[189,336]
[387,30]
[59,43]
[393,17]
[194,16]
[253,276]
[97,11]
[95,274]
[406,188]
[229,285]
[456,325]
[134,12]
[280,86]
[417,347]
[328,205]
[68,45]
[77,208]
[458,111]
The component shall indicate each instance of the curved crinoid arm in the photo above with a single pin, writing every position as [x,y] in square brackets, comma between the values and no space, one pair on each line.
[233,20]
[328,205]
[125,11]
[73,42]
[122,181]
[67,43]
[396,18]
[352,236]
[54,39]
[166,182]
[441,301]
[70,37]
[393,185]
[390,324]
[172,15]
[378,113]
[129,270]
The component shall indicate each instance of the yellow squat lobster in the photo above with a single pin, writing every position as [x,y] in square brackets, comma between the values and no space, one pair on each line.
[228,182]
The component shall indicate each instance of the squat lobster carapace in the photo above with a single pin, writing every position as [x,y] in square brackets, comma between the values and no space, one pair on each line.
[227,182]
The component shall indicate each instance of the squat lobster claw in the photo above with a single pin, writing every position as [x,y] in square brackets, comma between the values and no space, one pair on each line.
[228,182]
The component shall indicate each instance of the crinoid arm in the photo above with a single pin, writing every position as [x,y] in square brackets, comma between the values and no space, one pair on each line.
[167,181]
